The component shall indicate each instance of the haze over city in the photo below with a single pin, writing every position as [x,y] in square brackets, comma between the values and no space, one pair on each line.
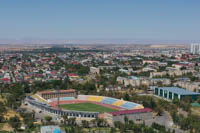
[104,21]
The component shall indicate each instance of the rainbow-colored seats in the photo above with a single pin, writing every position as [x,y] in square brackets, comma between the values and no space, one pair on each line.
[119,103]
[61,99]
[105,100]
[138,107]
[129,105]
[66,98]
[109,100]
[95,98]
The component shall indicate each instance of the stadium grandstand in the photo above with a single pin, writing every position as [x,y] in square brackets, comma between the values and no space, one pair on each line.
[80,106]
[54,94]
[39,98]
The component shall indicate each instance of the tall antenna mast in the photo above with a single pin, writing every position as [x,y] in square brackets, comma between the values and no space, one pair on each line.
[58,97]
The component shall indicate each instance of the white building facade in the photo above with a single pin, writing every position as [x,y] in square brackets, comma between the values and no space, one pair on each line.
[195,48]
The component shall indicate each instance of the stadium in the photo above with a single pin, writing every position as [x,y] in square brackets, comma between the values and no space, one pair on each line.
[66,102]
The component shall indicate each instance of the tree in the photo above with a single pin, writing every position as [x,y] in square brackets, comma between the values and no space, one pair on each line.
[175,101]
[65,118]
[152,103]
[126,97]
[198,100]
[159,110]
[71,121]
[94,122]
[15,122]
[112,130]
[85,123]
[2,108]
[126,120]
[48,118]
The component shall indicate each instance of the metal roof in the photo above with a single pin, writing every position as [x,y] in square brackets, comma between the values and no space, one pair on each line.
[51,129]
[178,90]
[124,112]
[54,91]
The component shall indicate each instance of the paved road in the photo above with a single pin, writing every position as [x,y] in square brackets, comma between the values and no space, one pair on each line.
[164,120]
[40,115]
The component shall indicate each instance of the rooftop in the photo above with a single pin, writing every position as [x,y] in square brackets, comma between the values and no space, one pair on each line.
[54,91]
[144,110]
[178,90]
[51,129]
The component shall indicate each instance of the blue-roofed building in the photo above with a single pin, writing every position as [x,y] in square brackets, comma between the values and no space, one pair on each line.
[51,129]
[134,77]
[175,92]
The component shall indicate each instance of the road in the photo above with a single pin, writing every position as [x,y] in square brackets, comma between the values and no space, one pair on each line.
[164,120]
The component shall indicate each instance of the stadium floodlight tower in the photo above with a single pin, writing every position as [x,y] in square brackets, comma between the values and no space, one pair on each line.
[58,97]
[58,94]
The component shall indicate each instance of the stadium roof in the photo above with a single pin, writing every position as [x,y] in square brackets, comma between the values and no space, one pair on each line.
[54,91]
[178,90]
[123,112]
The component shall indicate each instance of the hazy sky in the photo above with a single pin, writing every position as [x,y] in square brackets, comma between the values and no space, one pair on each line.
[100,19]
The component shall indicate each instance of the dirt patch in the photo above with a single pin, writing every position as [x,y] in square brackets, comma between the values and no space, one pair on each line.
[11,113]
[6,127]
[196,110]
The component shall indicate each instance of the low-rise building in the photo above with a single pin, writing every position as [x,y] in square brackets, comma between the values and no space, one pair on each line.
[51,129]
[137,115]
[94,70]
[192,86]
[171,93]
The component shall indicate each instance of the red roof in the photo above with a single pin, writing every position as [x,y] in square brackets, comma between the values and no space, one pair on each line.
[72,75]
[144,110]
[75,62]
[69,90]
[53,72]
[5,79]
[52,63]
[185,65]
[70,69]
[39,75]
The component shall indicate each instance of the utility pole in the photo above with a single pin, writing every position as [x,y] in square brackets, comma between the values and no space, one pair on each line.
[58,97]
[58,94]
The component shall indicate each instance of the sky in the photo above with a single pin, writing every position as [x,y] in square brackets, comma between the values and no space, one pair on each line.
[100,19]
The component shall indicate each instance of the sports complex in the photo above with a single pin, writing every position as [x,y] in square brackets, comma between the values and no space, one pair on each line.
[66,102]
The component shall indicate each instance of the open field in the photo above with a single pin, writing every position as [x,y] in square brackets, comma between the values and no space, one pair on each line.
[5,127]
[86,107]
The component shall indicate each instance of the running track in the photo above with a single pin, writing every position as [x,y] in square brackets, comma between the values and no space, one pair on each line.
[54,104]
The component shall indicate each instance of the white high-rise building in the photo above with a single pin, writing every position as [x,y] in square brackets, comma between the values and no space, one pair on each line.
[195,48]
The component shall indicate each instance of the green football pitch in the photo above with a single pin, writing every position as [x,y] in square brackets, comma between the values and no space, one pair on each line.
[87,107]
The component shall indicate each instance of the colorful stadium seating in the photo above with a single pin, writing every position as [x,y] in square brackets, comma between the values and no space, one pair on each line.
[95,98]
[61,99]
[109,100]
[129,105]
[102,100]
[66,98]
[138,107]
[119,103]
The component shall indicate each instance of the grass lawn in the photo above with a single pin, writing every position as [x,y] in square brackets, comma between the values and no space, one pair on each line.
[86,107]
